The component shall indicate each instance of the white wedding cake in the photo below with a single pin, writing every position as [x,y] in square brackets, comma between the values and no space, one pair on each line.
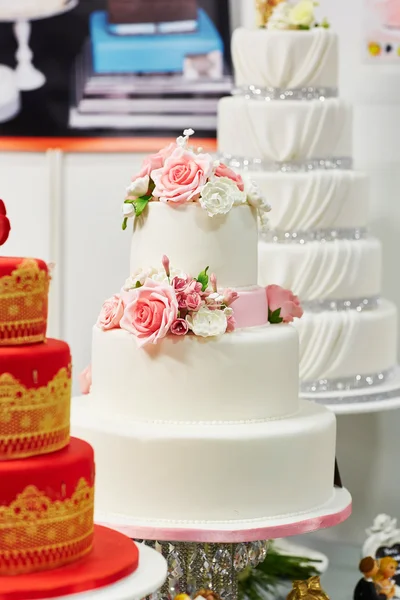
[193,408]
[293,136]
[30,9]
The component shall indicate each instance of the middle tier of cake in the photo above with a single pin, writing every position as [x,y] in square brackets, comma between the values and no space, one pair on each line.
[180,473]
[335,270]
[248,375]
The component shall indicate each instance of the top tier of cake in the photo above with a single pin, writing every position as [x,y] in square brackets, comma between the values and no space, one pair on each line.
[24,286]
[285,60]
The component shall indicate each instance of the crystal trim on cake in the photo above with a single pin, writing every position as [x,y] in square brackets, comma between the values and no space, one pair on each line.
[38,533]
[304,93]
[358,304]
[314,235]
[34,421]
[347,383]
[295,166]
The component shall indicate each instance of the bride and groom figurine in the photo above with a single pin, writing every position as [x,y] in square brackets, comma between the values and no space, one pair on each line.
[307,590]
[377,582]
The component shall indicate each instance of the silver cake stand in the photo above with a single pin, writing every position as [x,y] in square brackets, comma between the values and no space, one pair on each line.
[28,77]
[211,555]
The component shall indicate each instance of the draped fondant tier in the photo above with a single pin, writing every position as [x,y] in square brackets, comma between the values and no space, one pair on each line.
[192,241]
[284,130]
[318,200]
[341,269]
[285,59]
[192,379]
[230,472]
[337,345]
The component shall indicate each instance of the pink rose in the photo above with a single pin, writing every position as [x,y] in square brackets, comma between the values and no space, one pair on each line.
[194,287]
[179,327]
[111,313]
[285,300]
[193,301]
[224,171]
[182,177]
[179,284]
[230,296]
[151,311]
[230,324]
[155,161]
[85,380]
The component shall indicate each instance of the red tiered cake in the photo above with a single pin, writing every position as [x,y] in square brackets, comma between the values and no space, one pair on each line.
[46,480]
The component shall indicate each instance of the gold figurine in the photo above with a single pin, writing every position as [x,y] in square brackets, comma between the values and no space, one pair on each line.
[264,10]
[307,590]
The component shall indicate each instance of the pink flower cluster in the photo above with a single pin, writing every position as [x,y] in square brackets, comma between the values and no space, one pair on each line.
[285,302]
[178,175]
[155,309]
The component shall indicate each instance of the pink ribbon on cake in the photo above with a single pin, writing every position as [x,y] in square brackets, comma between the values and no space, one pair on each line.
[250,309]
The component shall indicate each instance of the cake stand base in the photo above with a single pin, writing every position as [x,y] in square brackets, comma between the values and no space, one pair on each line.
[10,110]
[377,398]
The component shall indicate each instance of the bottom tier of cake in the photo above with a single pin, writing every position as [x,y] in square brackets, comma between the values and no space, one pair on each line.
[210,473]
[345,344]
[46,509]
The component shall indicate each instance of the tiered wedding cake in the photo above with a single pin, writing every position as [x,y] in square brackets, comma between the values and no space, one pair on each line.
[194,411]
[293,134]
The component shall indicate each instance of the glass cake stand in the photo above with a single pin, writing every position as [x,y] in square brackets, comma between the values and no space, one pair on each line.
[28,77]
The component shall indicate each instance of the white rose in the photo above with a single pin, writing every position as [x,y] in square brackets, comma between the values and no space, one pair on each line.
[140,277]
[219,195]
[206,322]
[139,187]
[216,298]
[255,197]
[280,17]
[302,14]
[161,277]
[128,210]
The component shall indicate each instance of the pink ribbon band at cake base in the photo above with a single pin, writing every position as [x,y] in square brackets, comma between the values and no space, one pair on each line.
[250,309]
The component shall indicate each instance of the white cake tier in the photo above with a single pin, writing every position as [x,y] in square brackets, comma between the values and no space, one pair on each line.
[335,345]
[340,269]
[316,200]
[285,59]
[209,473]
[29,9]
[198,379]
[192,240]
[284,130]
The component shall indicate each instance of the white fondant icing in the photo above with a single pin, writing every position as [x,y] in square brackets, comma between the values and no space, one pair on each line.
[192,240]
[285,59]
[346,343]
[192,379]
[315,200]
[197,472]
[284,130]
[341,269]
[29,8]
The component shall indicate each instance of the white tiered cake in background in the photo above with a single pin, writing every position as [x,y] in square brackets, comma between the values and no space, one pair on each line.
[214,392]
[292,135]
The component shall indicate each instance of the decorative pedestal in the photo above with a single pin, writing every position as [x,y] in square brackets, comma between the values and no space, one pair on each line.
[192,566]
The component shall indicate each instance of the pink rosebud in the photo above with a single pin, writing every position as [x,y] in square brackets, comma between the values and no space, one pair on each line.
[179,327]
[230,296]
[231,324]
[179,284]
[111,313]
[225,171]
[289,304]
[181,298]
[165,264]
[213,281]
[85,380]
[194,287]
[193,301]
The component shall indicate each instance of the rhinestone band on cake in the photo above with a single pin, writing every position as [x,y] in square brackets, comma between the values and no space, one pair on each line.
[358,304]
[313,235]
[347,383]
[305,93]
[295,166]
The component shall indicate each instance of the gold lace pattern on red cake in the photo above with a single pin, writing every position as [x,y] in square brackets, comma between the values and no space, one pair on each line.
[34,420]
[23,304]
[37,533]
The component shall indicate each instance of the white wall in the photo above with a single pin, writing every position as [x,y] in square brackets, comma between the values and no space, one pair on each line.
[92,252]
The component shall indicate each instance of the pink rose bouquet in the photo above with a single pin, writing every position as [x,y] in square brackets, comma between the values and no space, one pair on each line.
[283,305]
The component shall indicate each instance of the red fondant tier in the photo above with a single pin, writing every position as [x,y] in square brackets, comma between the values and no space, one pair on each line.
[46,509]
[24,286]
[114,557]
[35,397]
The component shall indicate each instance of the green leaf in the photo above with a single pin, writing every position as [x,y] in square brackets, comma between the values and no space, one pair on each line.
[124,223]
[203,279]
[304,27]
[152,185]
[140,204]
[138,285]
[274,316]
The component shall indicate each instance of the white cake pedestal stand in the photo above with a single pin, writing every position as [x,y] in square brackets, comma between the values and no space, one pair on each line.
[147,579]
[212,554]
[28,77]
